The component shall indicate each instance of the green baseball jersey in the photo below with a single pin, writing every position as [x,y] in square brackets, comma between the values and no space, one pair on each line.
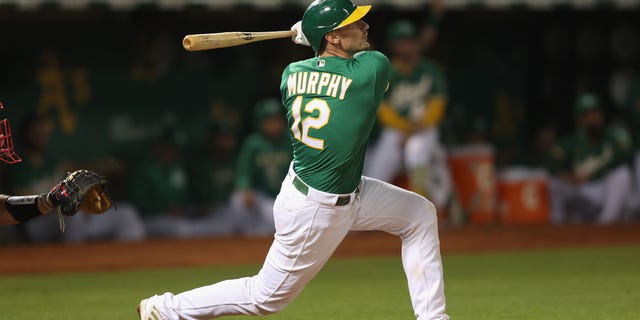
[263,163]
[409,93]
[576,153]
[331,107]
[213,181]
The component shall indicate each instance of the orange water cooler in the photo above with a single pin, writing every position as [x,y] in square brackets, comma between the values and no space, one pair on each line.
[523,197]
[473,173]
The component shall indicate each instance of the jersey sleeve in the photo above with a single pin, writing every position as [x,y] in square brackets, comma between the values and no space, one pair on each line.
[380,66]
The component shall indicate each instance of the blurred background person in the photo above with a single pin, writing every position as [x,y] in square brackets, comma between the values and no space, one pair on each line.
[213,177]
[412,110]
[159,188]
[591,177]
[632,108]
[263,162]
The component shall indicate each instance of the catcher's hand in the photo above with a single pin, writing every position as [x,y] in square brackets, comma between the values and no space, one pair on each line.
[81,189]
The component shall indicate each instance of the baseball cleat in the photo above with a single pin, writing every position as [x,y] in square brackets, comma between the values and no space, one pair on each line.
[147,311]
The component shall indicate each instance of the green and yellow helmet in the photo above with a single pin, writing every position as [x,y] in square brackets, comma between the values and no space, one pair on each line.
[324,16]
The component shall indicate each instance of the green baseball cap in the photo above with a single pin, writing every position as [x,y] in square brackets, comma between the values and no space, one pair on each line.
[266,108]
[401,29]
[587,102]
[324,16]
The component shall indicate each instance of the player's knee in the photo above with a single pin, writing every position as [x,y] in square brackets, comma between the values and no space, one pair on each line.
[271,306]
[425,214]
[429,213]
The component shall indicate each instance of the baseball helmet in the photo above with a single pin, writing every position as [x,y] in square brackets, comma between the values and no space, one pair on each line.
[323,16]
[7,153]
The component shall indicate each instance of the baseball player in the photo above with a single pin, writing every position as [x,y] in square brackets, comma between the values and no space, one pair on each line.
[410,113]
[66,195]
[331,102]
[263,162]
[592,179]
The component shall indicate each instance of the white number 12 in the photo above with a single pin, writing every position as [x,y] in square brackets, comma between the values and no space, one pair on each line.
[309,122]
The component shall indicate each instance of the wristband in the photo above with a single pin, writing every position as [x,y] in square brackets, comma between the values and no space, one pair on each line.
[23,208]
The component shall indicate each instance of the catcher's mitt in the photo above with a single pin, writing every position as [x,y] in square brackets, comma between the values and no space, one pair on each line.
[81,189]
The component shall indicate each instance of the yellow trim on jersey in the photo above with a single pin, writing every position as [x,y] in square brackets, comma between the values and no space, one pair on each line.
[356,15]
[435,111]
[390,118]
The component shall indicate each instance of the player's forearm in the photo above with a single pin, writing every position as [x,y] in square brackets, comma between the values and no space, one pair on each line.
[23,208]
[389,118]
[6,219]
[435,111]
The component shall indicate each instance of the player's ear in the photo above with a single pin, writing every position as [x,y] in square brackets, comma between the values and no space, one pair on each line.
[332,38]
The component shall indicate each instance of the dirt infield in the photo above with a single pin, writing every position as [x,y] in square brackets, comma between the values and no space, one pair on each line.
[56,258]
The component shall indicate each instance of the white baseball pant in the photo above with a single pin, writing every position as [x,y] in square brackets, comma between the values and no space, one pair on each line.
[308,230]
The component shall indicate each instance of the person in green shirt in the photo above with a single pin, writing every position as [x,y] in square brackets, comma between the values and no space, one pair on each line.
[263,162]
[591,178]
[632,106]
[411,112]
[213,177]
[331,102]
[158,187]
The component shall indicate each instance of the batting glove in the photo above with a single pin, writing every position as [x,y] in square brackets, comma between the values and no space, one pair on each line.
[298,36]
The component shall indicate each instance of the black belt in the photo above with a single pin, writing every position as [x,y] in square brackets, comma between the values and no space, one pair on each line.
[304,189]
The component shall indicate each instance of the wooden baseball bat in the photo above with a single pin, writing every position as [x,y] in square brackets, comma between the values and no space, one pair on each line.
[206,41]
